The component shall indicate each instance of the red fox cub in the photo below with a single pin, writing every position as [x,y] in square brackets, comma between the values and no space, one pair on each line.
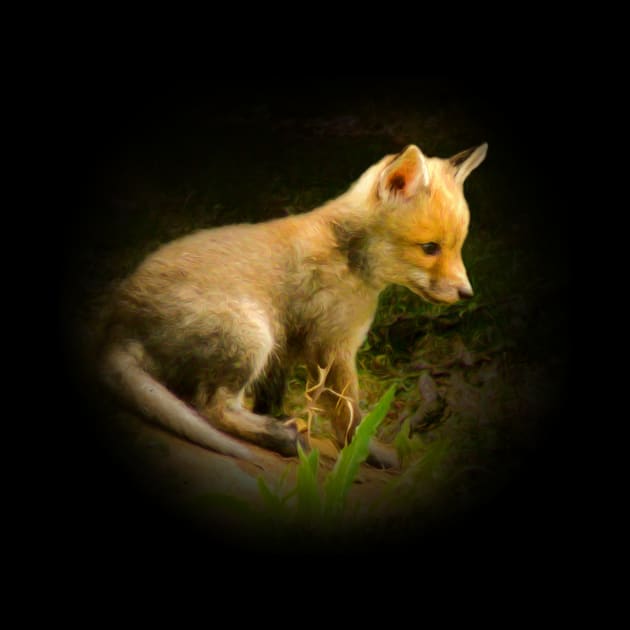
[221,311]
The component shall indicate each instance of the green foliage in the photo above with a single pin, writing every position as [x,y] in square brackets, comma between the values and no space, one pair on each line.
[309,500]
[425,467]
[402,442]
[420,483]
[352,456]
[274,503]
[325,504]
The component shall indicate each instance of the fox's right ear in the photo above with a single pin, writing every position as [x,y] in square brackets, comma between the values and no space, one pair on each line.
[404,176]
[467,161]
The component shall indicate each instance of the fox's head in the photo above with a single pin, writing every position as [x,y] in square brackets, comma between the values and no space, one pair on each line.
[420,221]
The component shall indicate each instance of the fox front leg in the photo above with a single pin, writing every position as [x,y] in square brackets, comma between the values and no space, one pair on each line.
[334,392]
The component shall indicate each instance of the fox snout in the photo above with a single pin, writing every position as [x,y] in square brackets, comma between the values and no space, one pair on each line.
[453,287]
[463,288]
[448,291]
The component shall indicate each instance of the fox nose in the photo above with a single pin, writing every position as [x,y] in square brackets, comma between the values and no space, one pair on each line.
[465,293]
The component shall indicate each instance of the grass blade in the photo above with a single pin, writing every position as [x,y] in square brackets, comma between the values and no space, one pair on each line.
[353,455]
[309,502]
[273,502]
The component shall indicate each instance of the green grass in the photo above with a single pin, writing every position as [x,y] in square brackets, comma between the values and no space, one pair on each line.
[324,506]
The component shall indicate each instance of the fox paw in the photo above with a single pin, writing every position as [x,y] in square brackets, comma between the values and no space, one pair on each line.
[300,428]
[382,455]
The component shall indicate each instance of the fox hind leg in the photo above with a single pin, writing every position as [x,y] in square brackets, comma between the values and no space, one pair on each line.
[225,411]
[242,361]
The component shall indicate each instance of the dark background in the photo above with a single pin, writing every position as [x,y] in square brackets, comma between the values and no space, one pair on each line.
[160,126]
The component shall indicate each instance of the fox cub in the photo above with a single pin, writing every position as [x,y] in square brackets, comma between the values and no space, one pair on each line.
[221,311]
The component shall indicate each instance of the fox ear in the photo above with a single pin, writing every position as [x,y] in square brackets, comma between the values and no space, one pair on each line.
[405,176]
[467,161]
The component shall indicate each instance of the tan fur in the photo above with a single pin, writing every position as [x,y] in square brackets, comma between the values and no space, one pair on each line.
[218,311]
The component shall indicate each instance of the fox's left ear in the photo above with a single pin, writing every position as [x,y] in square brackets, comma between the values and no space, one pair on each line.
[404,176]
[467,161]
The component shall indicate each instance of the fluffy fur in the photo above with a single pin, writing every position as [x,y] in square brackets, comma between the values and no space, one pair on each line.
[221,310]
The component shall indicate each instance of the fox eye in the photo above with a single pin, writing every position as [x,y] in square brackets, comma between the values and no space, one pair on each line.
[430,249]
